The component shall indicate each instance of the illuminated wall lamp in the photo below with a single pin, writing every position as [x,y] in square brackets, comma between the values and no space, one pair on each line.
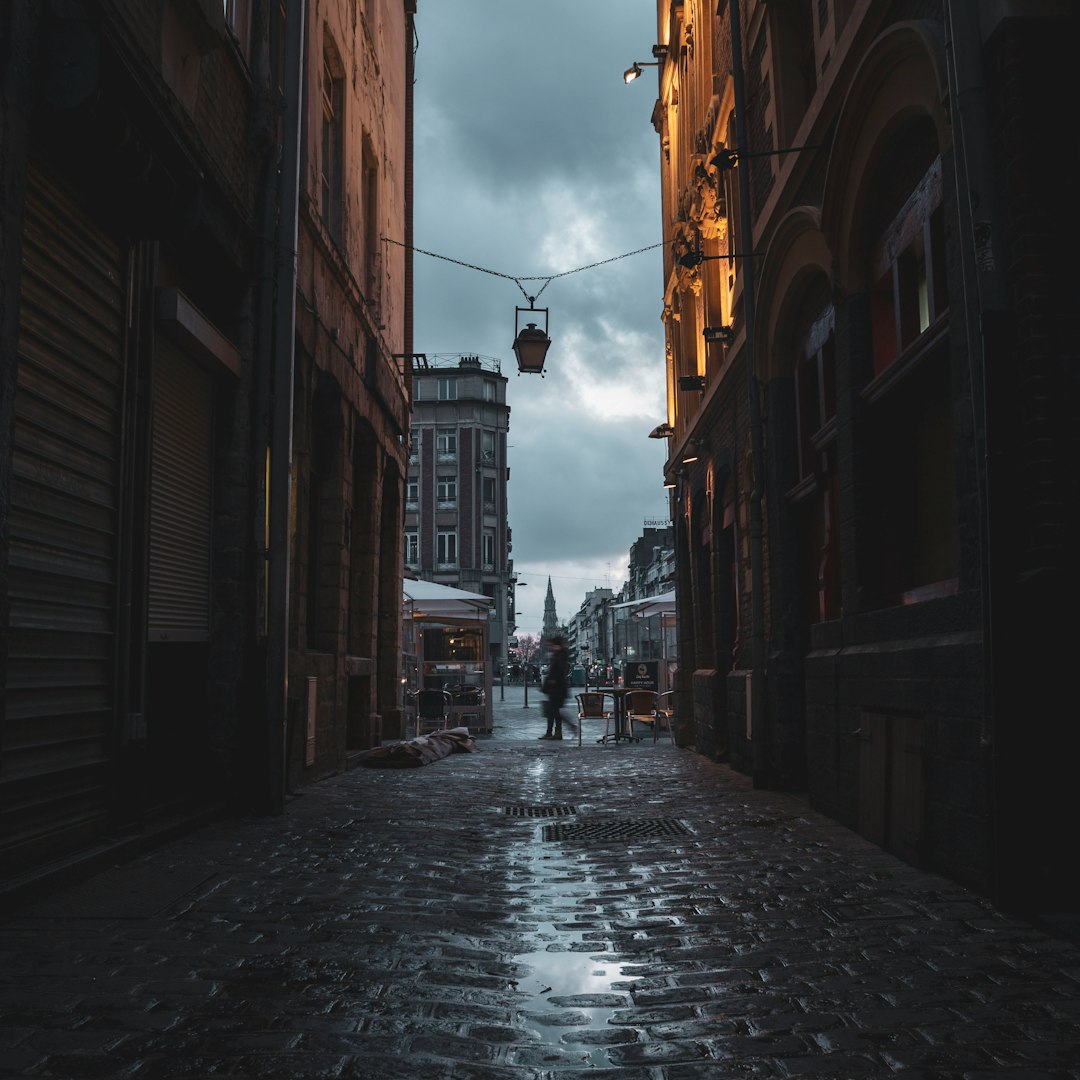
[634,70]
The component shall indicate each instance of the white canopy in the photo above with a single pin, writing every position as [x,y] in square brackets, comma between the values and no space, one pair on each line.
[431,600]
[645,606]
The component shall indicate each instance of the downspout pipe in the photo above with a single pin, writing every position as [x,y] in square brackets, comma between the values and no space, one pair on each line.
[759,724]
[281,419]
[982,266]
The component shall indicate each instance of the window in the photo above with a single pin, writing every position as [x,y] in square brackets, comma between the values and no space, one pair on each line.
[815,389]
[487,445]
[818,490]
[332,178]
[489,549]
[446,441]
[488,489]
[446,548]
[369,194]
[447,489]
[909,270]
[412,549]
[412,490]
[489,391]
[313,553]
[909,438]
[448,389]
[238,20]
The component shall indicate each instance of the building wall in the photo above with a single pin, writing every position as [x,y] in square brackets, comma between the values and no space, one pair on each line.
[350,385]
[130,224]
[892,575]
[141,150]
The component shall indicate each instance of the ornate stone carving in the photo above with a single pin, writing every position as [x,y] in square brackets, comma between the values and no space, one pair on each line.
[708,207]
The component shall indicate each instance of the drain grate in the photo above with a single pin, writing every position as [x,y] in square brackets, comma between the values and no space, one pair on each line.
[540,811]
[616,830]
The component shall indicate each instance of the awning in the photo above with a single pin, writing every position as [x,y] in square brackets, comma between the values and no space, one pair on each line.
[430,600]
[646,606]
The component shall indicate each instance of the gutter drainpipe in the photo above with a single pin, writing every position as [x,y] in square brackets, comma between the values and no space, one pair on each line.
[281,421]
[988,330]
[758,713]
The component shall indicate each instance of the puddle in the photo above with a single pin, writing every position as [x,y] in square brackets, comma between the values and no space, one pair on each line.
[571,989]
[572,995]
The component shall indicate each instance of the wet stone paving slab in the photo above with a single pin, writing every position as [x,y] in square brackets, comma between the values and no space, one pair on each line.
[435,923]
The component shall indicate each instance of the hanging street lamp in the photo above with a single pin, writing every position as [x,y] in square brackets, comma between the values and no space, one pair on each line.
[530,343]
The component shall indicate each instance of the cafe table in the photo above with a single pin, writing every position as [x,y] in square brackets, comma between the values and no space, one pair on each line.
[618,694]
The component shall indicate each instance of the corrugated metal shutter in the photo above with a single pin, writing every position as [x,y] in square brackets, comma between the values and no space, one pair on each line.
[59,718]
[179,586]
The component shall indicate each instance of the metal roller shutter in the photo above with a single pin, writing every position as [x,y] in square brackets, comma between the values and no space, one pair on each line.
[58,729]
[179,586]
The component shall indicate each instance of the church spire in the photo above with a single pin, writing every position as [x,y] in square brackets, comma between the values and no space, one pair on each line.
[551,620]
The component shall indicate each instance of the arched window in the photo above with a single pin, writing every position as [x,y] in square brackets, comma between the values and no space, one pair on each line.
[911,550]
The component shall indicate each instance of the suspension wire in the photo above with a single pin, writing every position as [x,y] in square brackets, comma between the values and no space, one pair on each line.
[547,279]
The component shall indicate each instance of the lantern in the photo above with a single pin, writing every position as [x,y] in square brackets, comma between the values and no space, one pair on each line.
[531,343]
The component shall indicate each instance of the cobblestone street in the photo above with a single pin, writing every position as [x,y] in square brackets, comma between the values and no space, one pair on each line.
[532,910]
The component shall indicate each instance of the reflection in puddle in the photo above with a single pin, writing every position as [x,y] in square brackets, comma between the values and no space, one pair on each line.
[571,995]
[572,990]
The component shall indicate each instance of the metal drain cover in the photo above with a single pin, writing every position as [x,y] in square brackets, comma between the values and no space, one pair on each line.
[540,811]
[616,831]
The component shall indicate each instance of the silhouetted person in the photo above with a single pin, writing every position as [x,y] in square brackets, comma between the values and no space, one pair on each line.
[555,686]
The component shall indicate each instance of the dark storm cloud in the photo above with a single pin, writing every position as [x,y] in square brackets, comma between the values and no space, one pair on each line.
[533,157]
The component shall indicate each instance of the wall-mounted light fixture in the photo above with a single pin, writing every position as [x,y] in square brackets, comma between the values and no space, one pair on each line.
[662,431]
[727,157]
[692,382]
[634,70]
[693,451]
[693,259]
[723,334]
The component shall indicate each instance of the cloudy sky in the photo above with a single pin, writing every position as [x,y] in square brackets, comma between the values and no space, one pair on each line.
[534,158]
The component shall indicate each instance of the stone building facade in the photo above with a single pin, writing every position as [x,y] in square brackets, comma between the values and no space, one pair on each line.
[456,521]
[158,336]
[872,386]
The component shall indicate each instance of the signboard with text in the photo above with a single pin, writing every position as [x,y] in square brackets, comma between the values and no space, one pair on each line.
[641,675]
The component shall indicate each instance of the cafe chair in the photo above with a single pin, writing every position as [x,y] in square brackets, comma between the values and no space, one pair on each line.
[639,707]
[593,705]
[432,708]
[467,706]
[665,714]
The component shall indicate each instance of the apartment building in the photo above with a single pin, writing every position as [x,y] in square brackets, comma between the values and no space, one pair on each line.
[456,530]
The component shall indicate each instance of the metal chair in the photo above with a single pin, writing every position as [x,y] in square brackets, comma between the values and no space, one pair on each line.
[639,706]
[593,705]
[467,703]
[432,707]
[665,714]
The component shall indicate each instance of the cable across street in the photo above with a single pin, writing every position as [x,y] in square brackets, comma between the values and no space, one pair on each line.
[547,279]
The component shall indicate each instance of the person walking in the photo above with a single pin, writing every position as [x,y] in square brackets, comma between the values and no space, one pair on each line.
[555,686]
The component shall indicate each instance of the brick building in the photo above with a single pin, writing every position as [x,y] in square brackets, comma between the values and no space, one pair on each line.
[872,386]
[156,511]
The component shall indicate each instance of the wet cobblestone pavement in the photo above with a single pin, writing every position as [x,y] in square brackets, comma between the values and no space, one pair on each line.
[533,910]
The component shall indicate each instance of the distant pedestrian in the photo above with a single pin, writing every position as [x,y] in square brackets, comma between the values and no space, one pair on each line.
[555,686]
